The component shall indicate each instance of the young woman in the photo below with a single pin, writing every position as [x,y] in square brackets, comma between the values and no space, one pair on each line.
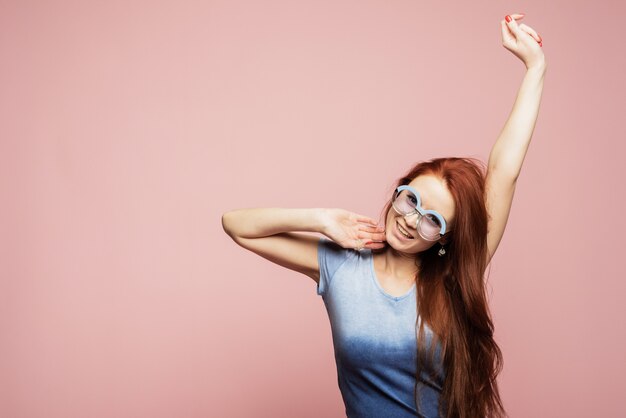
[412,331]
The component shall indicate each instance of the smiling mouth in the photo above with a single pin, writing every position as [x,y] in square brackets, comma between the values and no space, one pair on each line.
[404,232]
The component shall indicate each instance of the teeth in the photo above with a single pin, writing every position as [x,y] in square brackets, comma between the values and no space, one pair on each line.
[404,232]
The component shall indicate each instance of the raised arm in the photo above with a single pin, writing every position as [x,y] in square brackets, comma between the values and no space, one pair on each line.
[508,152]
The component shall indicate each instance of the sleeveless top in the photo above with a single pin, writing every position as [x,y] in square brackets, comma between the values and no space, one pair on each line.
[374,338]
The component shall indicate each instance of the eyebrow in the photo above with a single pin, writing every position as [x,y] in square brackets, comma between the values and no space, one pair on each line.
[422,203]
[438,211]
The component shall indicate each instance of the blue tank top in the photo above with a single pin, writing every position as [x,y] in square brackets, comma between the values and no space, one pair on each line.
[374,338]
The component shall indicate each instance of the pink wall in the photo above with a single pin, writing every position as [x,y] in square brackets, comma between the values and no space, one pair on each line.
[128,128]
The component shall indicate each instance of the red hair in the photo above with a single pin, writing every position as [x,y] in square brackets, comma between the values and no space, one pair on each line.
[451,296]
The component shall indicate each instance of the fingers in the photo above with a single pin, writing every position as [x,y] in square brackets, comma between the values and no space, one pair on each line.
[512,25]
[375,245]
[512,30]
[369,233]
[374,233]
[507,35]
[372,237]
[366,219]
[371,228]
[377,236]
[361,244]
[531,31]
[367,243]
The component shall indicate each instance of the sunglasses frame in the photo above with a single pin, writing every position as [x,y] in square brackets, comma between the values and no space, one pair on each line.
[419,210]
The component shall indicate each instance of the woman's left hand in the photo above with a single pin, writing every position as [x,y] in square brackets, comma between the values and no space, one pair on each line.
[522,41]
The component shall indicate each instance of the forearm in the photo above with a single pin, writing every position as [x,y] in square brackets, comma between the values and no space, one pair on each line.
[509,151]
[263,222]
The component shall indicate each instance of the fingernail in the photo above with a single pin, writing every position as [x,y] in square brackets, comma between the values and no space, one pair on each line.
[508,18]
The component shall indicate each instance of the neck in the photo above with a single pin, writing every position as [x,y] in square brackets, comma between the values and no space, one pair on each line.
[398,265]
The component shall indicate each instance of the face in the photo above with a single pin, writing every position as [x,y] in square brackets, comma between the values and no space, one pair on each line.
[434,196]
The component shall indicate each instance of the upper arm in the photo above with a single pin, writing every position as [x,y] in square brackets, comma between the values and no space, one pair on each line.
[293,250]
[499,189]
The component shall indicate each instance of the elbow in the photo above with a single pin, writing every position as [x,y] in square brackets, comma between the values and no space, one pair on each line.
[227,224]
[504,171]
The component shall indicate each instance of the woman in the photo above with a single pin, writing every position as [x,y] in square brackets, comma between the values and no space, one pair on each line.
[411,326]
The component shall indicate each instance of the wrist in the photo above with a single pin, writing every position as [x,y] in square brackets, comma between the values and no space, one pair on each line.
[539,67]
[321,219]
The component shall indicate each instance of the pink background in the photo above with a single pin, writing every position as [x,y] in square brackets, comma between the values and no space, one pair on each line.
[128,128]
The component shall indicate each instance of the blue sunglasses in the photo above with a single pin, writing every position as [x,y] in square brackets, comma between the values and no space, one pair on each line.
[406,201]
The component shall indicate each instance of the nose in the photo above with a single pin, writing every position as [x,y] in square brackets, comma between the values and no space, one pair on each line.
[412,219]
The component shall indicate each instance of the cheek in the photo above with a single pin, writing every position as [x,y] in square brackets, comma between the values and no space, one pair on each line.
[388,221]
[428,244]
[389,224]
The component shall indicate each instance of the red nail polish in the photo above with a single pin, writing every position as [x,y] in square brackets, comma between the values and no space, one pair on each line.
[508,18]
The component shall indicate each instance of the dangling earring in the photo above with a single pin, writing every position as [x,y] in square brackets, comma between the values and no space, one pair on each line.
[442,251]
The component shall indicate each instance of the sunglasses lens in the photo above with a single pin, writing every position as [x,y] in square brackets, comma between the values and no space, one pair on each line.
[405,202]
[428,227]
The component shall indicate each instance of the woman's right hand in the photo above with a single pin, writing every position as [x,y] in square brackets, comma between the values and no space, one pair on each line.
[351,230]
[523,41]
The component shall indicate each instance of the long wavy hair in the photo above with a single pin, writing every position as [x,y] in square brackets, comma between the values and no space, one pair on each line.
[452,300]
